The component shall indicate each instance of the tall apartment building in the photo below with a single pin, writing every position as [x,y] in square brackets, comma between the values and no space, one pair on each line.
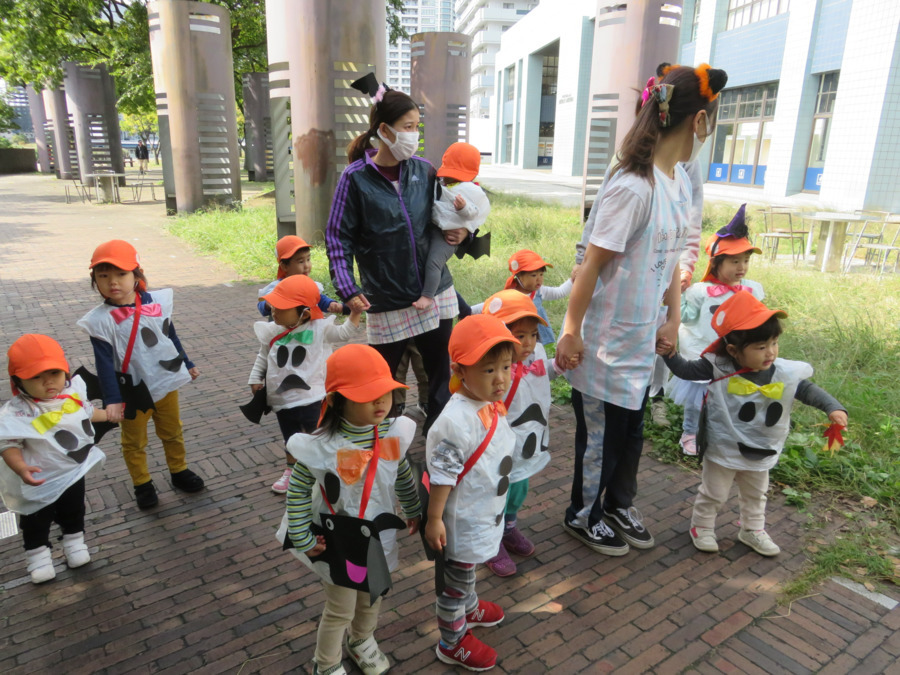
[418,16]
[486,21]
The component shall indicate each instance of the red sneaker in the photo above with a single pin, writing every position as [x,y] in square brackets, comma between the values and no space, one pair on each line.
[487,614]
[470,653]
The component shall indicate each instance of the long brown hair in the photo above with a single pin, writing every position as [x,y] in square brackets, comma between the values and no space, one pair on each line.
[636,151]
[393,106]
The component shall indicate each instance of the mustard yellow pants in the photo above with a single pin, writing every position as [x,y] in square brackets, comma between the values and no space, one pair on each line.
[167,423]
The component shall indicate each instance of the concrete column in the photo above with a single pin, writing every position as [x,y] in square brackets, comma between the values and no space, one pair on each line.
[39,122]
[91,99]
[796,104]
[632,37]
[59,134]
[713,14]
[309,79]
[862,161]
[440,84]
[257,126]
[193,74]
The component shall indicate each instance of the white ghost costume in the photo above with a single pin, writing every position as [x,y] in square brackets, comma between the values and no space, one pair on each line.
[64,449]
[528,416]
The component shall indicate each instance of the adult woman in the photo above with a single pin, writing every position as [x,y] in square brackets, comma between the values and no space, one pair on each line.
[640,231]
[379,218]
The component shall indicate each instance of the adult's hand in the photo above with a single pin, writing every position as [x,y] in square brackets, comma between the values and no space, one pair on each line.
[455,237]
[569,351]
[358,303]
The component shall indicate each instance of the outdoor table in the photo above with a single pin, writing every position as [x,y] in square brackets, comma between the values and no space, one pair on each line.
[107,183]
[832,233]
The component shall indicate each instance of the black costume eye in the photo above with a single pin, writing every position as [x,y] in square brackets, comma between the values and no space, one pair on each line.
[281,356]
[498,519]
[332,487]
[329,524]
[149,337]
[747,412]
[365,531]
[88,428]
[529,446]
[713,308]
[773,414]
[66,439]
[298,356]
[505,465]
[503,486]
[166,325]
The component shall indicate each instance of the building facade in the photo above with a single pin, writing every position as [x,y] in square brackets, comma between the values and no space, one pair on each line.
[418,16]
[812,98]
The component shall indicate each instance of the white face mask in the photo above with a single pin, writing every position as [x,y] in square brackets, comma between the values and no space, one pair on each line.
[405,146]
[695,149]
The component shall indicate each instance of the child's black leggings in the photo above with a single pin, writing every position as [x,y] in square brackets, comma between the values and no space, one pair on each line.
[67,512]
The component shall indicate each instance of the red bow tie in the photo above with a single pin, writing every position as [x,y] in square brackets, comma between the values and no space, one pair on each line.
[536,368]
[722,289]
[121,314]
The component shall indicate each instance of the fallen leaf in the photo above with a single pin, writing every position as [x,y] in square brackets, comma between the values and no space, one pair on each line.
[812,549]
[861,571]
[868,502]
[869,586]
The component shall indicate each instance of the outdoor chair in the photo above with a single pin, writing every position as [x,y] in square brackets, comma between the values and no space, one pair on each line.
[871,236]
[775,218]
[876,247]
[138,187]
[79,190]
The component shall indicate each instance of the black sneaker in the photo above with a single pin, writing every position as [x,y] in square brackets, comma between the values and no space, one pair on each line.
[628,524]
[145,495]
[187,480]
[598,537]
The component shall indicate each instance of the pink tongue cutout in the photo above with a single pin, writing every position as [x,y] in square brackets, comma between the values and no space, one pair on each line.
[356,573]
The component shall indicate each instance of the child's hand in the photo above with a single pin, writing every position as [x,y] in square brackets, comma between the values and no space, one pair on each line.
[413,524]
[355,315]
[667,338]
[455,237]
[194,372]
[839,417]
[358,303]
[26,472]
[436,534]
[663,346]
[335,308]
[459,203]
[686,278]
[575,270]
[256,387]
[569,351]
[114,412]
[423,303]
[319,548]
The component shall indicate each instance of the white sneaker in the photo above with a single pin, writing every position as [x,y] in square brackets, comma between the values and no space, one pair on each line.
[75,549]
[759,541]
[40,564]
[704,539]
[688,444]
[280,486]
[366,654]
[658,413]
[334,670]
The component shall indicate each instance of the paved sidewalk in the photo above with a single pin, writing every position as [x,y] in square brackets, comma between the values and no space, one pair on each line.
[199,584]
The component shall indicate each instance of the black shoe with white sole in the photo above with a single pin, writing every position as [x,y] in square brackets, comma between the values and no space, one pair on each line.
[628,524]
[598,537]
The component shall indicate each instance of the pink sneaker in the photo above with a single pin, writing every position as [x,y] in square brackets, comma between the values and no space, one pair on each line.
[517,543]
[280,486]
[501,564]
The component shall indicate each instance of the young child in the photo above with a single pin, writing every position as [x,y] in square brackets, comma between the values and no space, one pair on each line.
[291,359]
[526,270]
[154,359]
[47,445]
[294,257]
[462,204]
[353,466]
[748,411]
[469,453]
[528,407]
[729,252]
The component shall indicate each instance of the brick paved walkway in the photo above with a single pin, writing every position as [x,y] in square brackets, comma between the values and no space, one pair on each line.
[199,585]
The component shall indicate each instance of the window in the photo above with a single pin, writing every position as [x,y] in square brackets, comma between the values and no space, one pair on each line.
[828,84]
[743,135]
[549,75]
[696,21]
[508,5]
[744,12]
[510,83]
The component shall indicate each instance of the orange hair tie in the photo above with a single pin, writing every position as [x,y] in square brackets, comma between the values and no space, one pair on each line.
[702,73]
[670,68]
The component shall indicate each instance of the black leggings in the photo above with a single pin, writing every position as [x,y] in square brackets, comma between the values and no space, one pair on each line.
[433,346]
[67,512]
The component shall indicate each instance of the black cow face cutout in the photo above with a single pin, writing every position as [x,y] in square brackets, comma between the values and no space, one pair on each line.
[149,337]
[292,381]
[531,414]
[296,357]
[529,446]
[747,413]
[172,365]
[505,467]
[81,454]
[66,439]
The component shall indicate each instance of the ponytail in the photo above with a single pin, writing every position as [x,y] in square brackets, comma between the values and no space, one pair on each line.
[392,106]
[681,94]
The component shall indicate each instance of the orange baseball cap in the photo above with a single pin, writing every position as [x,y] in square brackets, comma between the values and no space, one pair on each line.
[729,240]
[32,354]
[509,306]
[116,252]
[359,373]
[474,336]
[524,261]
[296,291]
[460,162]
[742,311]
[286,247]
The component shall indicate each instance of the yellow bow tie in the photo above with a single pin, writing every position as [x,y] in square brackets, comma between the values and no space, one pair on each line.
[43,423]
[741,387]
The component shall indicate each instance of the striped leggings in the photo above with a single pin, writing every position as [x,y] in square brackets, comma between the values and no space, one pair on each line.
[457,600]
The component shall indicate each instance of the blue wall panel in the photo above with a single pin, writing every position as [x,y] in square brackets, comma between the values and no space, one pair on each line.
[831,36]
[752,54]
